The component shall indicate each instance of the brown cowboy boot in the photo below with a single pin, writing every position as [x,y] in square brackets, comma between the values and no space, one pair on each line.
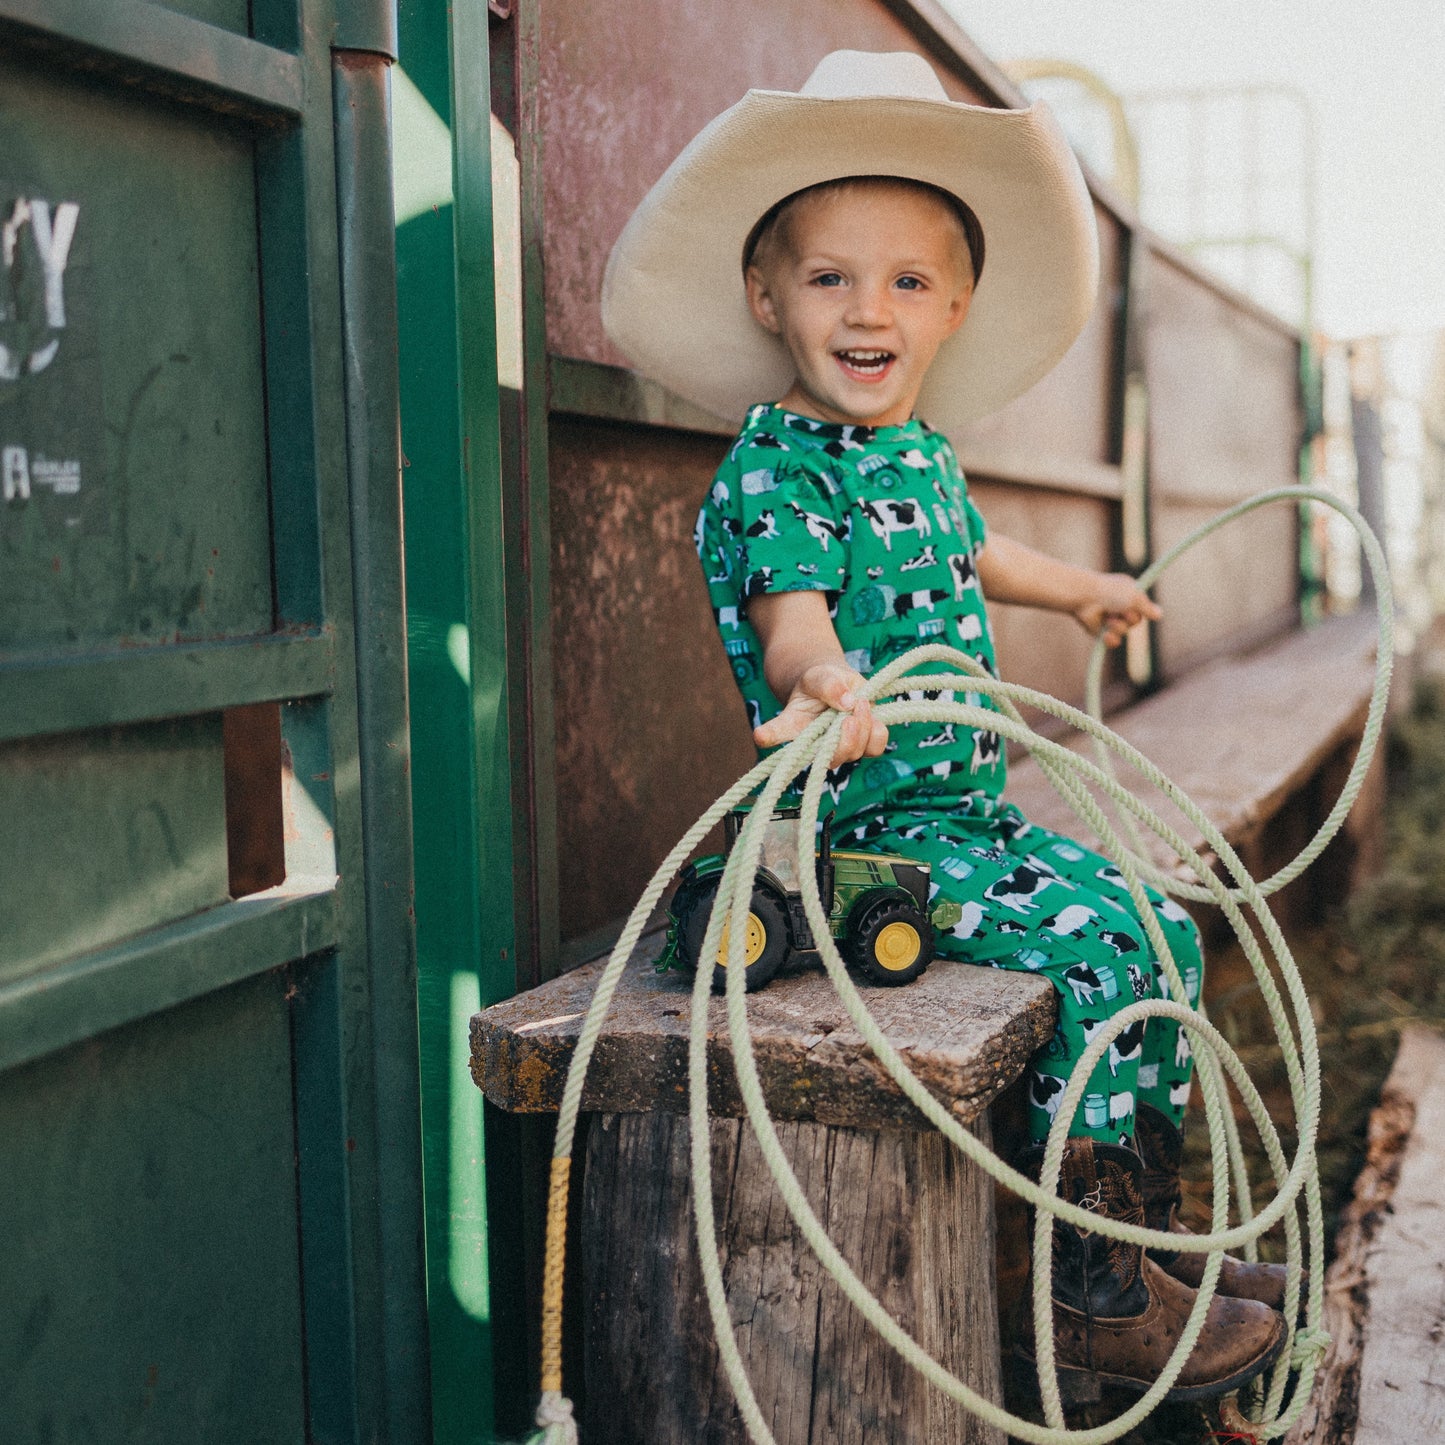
[1118,1316]
[1161,1146]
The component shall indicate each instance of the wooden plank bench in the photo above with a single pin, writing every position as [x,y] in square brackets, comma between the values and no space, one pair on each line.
[1261,742]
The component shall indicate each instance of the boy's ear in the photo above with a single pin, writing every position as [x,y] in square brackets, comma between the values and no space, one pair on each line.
[760,301]
[959,311]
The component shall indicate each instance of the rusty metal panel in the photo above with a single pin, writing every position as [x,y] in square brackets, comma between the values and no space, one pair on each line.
[650,727]
[625,87]
[1224,424]
[1223,392]
[1068,413]
[1044,649]
[1237,588]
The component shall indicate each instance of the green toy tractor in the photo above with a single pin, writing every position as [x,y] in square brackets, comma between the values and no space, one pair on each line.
[877,907]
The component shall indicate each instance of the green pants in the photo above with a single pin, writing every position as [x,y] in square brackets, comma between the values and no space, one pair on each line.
[1033,900]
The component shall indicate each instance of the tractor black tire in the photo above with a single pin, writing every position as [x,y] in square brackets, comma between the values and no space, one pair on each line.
[890,943]
[768,939]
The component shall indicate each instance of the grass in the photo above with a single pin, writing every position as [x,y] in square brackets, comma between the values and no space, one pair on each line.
[1372,967]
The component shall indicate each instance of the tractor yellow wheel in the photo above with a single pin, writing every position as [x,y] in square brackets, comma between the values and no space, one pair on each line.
[889,941]
[897,946]
[765,938]
[754,941]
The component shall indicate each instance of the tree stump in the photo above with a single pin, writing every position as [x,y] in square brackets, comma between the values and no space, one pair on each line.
[911,1215]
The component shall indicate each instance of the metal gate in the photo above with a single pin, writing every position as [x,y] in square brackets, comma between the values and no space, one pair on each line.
[209,1153]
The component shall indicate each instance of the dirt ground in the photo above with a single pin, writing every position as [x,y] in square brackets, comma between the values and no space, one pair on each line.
[1373,966]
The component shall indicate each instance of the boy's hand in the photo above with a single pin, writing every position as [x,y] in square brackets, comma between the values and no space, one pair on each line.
[822,686]
[1104,602]
[1115,604]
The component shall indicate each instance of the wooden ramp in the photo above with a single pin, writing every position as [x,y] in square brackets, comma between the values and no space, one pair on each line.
[1384,1376]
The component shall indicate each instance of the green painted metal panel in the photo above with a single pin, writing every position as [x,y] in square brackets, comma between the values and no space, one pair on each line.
[210,1111]
[367,255]
[150,1283]
[40,694]
[162,968]
[229,14]
[133,501]
[112,833]
[146,47]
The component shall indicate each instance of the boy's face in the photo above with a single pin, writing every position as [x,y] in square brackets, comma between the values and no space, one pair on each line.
[863,285]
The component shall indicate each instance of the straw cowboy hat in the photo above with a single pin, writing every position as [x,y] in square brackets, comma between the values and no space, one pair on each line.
[673,299]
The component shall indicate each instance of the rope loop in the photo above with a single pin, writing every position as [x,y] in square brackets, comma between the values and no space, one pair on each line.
[1242,900]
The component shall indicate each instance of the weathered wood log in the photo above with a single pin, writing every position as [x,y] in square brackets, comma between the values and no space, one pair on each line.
[1383,1377]
[967,1033]
[912,1216]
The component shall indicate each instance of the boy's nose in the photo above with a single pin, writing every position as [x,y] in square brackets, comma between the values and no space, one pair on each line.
[868,306]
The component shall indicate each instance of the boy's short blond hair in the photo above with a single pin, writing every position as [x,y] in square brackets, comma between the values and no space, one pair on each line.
[772,224]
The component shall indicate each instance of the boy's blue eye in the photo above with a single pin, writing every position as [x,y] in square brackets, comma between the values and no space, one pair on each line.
[910,283]
[828,278]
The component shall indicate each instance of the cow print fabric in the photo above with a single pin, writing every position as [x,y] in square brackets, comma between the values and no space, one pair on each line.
[879,520]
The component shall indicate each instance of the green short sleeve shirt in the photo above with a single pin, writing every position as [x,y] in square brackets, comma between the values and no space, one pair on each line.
[878,519]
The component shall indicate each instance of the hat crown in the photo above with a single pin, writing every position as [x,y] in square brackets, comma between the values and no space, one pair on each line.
[853,74]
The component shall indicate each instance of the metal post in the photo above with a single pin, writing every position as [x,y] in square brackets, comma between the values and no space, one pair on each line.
[361,102]
[458,564]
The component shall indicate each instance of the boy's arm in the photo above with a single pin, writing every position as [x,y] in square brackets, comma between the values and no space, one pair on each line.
[1107,602]
[803,664]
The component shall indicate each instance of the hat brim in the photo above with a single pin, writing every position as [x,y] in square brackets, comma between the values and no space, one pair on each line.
[672,295]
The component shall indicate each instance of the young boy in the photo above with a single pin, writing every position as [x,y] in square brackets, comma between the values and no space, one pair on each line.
[839,534]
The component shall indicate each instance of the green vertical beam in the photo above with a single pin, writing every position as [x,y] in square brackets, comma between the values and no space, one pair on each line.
[457,630]
[366,248]
[297,234]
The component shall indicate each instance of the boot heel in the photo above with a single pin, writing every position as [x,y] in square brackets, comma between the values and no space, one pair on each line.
[1078,1387]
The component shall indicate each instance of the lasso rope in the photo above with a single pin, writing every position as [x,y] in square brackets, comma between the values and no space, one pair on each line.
[1071,775]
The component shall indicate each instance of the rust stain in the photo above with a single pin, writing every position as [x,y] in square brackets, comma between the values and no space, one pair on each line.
[532,1085]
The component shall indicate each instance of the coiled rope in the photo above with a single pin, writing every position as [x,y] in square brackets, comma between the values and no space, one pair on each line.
[1073,776]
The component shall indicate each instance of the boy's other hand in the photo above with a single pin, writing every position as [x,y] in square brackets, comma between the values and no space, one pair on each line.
[822,686]
[1115,604]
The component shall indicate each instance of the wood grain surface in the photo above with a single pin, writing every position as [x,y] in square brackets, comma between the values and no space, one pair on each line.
[1383,1377]
[911,1216]
[967,1033]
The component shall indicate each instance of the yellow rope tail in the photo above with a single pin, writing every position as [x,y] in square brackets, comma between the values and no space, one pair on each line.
[553,1270]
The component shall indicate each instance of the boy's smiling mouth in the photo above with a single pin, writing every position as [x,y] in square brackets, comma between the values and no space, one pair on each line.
[866,364]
